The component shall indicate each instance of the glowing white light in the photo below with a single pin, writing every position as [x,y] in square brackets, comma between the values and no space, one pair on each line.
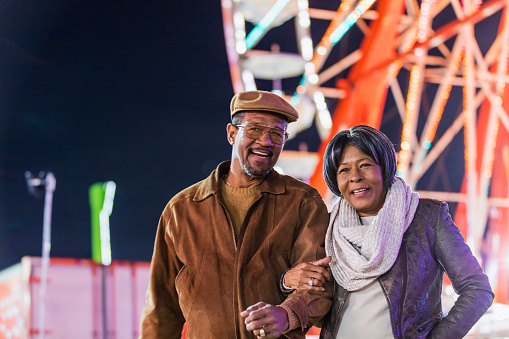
[240,47]
[313,78]
[238,20]
[306,45]
[325,119]
[303,5]
[304,20]
[321,50]
[104,222]
[249,81]
[318,96]
[309,67]
[240,34]
[323,113]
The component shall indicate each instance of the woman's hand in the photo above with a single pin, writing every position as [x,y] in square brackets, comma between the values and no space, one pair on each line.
[300,276]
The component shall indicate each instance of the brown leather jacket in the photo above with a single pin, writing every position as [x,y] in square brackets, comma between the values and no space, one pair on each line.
[413,286]
[201,276]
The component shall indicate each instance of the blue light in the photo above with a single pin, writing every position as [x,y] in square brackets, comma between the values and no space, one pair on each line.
[262,26]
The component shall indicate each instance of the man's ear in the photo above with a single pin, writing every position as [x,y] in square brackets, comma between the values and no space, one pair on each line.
[231,132]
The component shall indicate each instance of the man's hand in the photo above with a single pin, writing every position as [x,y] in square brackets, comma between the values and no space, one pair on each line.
[265,320]
[300,276]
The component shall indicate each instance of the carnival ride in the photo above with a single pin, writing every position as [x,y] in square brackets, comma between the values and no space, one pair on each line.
[431,72]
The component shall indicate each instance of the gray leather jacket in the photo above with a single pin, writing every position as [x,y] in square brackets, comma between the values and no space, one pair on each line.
[413,286]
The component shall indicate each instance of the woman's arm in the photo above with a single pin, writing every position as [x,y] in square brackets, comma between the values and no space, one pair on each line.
[467,277]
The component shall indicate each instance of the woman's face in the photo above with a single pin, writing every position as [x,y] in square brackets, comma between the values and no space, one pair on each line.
[360,182]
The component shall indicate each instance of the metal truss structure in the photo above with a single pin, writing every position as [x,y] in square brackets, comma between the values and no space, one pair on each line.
[441,65]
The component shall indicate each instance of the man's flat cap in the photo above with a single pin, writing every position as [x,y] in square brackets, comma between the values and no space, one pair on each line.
[262,101]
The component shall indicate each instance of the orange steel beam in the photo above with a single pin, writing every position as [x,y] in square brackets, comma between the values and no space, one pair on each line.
[365,95]
[499,188]
[498,222]
[442,34]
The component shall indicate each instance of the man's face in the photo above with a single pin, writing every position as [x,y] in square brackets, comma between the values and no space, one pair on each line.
[255,157]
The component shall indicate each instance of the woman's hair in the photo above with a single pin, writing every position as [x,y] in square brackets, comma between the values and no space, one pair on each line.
[369,141]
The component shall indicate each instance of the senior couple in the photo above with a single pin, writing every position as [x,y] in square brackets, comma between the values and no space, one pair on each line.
[249,252]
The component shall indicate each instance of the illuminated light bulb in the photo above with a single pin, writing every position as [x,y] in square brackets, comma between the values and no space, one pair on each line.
[309,68]
[240,35]
[325,119]
[418,52]
[334,33]
[241,47]
[498,100]
[318,96]
[321,50]
[426,144]
[405,145]
[303,5]
[313,78]
[304,20]
[238,20]
[306,45]
[249,82]
[301,89]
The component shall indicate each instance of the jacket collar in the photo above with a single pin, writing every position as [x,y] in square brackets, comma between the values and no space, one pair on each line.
[273,183]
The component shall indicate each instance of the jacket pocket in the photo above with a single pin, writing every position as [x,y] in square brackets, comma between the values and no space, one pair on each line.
[183,286]
[427,326]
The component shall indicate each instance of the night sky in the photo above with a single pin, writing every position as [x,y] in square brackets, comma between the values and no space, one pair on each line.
[136,92]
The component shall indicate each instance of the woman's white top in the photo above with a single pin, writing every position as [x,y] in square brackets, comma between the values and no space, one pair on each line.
[366,311]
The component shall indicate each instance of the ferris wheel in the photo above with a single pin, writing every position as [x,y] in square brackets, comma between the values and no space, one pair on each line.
[435,69]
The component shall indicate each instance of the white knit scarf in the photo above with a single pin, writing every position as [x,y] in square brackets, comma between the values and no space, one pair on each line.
[379,242]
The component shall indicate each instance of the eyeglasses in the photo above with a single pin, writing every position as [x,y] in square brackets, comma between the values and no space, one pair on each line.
[256,131]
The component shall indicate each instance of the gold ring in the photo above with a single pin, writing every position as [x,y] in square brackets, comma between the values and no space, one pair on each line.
[262,333]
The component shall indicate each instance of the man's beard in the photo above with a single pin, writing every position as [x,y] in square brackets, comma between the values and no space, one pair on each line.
[257,174]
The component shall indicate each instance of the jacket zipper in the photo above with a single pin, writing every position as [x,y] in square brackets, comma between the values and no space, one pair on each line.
[235,301]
